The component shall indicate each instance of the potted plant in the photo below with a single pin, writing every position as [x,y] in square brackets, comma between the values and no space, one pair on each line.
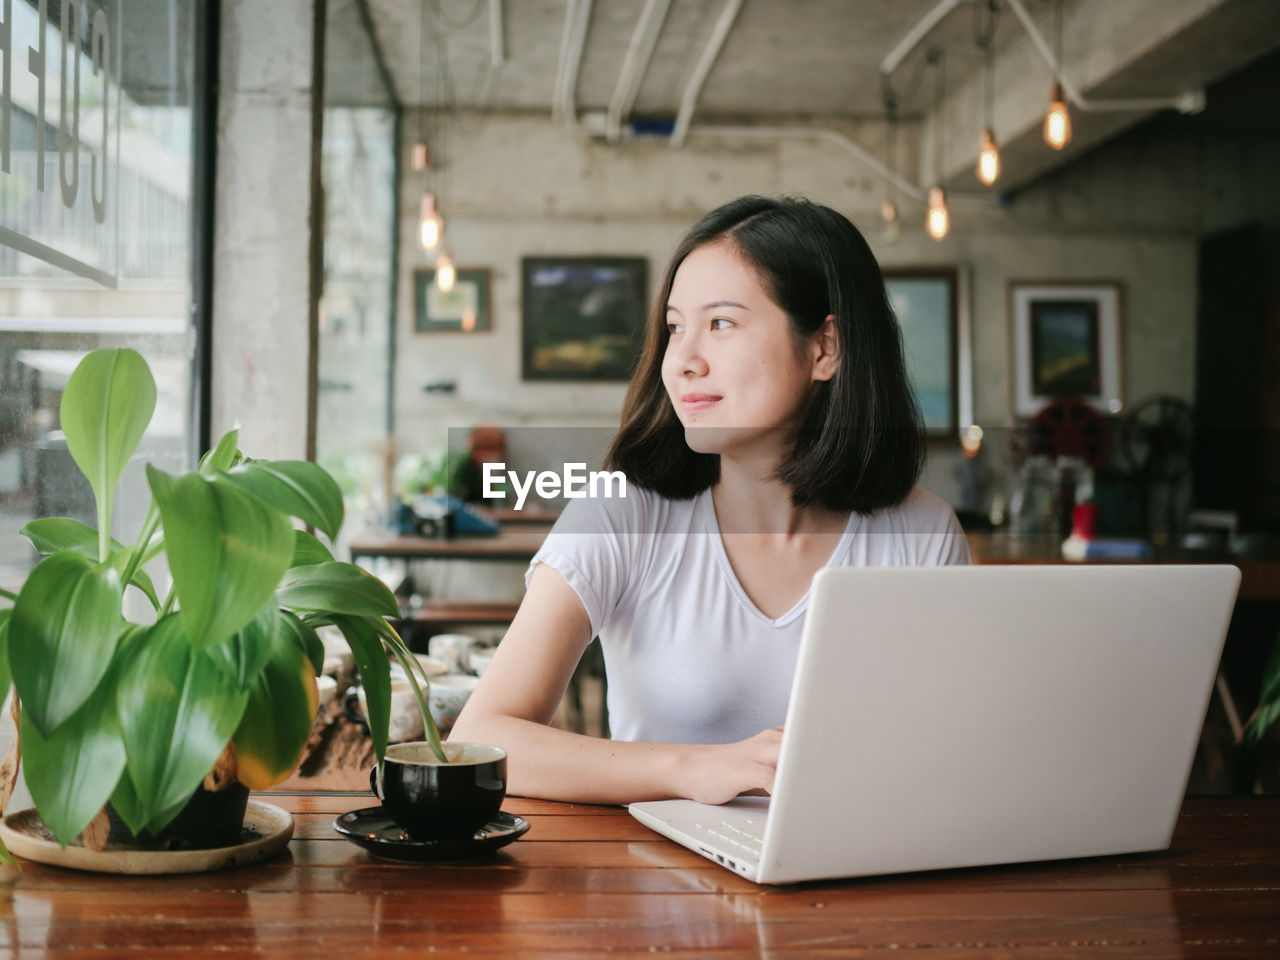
[1266,717]
[218,692]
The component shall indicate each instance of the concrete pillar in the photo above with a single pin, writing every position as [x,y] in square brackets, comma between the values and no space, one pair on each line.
[267,225]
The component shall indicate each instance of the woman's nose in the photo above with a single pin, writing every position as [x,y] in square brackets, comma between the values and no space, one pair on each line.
[688,355]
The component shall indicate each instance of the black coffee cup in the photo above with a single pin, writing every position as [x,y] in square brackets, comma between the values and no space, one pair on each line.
[441,801]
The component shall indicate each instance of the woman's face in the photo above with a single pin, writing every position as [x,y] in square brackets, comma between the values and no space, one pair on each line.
[731,368]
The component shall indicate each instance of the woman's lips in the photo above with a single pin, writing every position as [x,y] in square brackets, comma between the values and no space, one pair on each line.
[699,401]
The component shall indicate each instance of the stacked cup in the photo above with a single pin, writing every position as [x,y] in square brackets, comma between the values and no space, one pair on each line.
[449,693]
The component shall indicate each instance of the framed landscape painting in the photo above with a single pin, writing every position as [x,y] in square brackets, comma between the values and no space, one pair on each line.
[582,316]
[463,309]
[1066,343]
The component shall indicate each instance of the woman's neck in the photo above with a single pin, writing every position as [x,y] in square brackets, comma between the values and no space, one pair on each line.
[749,499]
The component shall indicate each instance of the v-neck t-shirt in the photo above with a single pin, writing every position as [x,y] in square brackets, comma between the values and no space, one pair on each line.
[689,657]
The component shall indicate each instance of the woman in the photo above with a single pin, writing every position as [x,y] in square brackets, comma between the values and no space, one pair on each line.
[768,431]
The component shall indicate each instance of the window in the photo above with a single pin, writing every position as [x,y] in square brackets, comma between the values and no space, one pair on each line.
[358,168]
[96,234]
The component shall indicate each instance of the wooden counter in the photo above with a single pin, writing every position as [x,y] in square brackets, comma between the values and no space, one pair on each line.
[590,881]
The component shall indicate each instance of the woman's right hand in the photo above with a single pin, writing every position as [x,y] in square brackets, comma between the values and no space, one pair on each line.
[718,773]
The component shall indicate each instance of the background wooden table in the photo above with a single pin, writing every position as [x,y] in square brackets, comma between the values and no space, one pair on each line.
[586,881]
[518,543]
[1259,576]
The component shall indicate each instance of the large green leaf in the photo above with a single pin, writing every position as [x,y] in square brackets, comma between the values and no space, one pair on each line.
[127,803]
[177,713]
[305,638]
[63,631]
[243,654]
[51,534]
[375,676]
[338,588]
[72,772]
[106,406]
[297,487]
[308,550]
[278,717]
[227,552]
[6,678]
[221,457]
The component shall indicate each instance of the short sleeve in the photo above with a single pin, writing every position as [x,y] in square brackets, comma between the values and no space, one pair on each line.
[934,535]
[952,546]
[597,545]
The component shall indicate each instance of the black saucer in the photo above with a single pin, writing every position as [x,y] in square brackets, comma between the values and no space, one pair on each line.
[373,829]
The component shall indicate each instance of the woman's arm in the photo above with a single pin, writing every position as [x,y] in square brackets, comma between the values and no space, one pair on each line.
[523,685]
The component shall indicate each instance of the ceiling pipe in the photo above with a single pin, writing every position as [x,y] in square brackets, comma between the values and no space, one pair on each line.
[724,23]
[497,49]
[639,51]
[915,35]
[1192,101]
[572,42]
[913,190]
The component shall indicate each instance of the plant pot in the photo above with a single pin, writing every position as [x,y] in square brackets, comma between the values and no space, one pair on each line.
[210,819]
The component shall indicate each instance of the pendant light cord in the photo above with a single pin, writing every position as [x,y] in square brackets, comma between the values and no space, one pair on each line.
[986,17]
[938,59]
[1057,21]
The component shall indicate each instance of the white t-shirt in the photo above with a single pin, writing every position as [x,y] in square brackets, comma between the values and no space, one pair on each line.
[689,657]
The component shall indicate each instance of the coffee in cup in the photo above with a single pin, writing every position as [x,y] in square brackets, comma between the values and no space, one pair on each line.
[439,801]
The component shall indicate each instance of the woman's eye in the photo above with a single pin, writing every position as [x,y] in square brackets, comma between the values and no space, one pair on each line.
[673,328]
[721,323]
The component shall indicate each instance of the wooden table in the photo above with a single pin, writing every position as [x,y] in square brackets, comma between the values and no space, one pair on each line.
[443,614]
[518,543]
[586,881]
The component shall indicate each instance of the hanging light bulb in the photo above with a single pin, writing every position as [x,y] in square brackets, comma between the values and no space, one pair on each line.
[421,155]
[1057,121]
[988,158]
[446,273]
[988,166]
[430,232]
[430,224]
[938,220]
[889,214]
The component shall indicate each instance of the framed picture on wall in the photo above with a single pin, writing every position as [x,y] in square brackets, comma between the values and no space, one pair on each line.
[1066,343]
[924,301]
[582,316]
[465,308]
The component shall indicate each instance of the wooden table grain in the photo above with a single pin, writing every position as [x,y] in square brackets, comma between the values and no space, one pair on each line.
[590,881]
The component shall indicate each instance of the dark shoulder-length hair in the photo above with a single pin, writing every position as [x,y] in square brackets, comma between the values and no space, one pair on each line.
[860,445]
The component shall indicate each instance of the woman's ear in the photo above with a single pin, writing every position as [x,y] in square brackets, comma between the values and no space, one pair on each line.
[825,349]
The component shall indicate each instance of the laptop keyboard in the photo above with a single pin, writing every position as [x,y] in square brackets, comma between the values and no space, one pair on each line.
[744,835]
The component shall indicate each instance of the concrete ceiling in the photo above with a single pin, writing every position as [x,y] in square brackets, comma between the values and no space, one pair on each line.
[811,63]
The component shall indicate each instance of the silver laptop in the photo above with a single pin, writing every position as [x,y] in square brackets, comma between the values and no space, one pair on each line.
[957,716]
